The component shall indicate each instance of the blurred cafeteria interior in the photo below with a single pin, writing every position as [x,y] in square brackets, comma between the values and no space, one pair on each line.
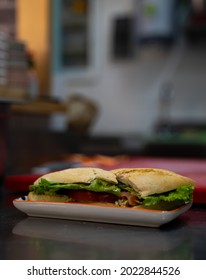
[101,77]
[101,83]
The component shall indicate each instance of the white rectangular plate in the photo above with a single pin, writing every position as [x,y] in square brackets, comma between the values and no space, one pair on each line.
[99,213]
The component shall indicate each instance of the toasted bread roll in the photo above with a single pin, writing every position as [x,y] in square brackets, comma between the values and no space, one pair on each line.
[148,181]
[79,175]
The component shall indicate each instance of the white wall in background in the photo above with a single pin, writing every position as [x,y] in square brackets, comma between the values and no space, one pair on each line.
[128,91]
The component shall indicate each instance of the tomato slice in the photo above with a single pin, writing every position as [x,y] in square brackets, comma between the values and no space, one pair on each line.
[88,196]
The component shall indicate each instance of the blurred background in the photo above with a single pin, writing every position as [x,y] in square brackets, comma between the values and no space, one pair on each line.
[105,77]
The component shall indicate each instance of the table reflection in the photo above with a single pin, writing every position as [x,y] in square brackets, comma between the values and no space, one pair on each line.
[45,238]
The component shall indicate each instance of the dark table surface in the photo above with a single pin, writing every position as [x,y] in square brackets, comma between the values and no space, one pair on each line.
[23,237]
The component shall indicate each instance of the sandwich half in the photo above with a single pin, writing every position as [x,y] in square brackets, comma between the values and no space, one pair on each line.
[154,188]
[76,185]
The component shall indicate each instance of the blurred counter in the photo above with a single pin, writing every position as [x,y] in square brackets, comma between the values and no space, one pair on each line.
[4,115]
[23,237]
[180,139]
[5,106]
[18,116]
[39,106]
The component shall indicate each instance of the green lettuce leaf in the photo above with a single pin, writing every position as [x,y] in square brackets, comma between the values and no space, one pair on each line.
[97,185]
[169,200]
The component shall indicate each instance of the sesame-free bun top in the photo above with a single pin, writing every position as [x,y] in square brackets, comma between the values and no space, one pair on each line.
[148,181]
[79,175]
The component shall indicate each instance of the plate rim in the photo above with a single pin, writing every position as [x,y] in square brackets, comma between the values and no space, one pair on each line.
[103,214]
[20,200]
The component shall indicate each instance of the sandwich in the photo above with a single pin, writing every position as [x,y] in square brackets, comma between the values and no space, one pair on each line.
[154,188]
[126,187]
[83,184]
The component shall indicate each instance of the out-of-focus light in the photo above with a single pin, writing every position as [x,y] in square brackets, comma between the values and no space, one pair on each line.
[198,5]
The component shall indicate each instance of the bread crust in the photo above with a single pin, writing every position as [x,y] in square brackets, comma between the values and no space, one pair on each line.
[79,175]
[148,181]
